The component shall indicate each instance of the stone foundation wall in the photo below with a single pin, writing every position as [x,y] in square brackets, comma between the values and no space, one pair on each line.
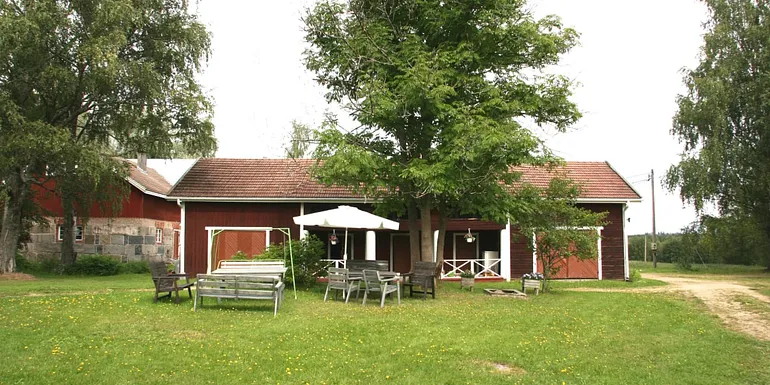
[129,239]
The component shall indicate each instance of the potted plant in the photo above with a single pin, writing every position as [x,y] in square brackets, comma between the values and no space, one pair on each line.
[533,281]
[469,237]
[467,279]
[333,238]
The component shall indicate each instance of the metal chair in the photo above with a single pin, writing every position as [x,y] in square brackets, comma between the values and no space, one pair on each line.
[374,282]
[339,279]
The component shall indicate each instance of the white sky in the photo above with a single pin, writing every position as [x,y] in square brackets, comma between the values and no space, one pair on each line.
[627,66]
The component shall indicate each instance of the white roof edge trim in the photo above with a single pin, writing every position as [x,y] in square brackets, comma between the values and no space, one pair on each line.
[624,179]
[351,200]
[608,200]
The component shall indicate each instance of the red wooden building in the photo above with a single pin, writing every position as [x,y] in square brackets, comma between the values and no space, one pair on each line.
[218,193]
[148,224]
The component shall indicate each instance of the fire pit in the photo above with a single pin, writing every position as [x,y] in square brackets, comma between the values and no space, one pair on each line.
[505,293]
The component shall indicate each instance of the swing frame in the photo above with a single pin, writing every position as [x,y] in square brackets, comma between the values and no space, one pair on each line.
[213,231]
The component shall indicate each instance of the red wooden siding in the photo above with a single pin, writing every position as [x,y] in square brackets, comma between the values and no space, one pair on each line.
[612,244]
[198,215]
[137,205]
[612,239]
[160,209]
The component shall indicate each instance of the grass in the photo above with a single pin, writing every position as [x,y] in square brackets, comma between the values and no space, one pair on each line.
[111,332]
[712,269]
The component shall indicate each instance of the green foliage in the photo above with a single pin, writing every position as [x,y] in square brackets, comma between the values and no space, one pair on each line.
[84,81]
[26,266]
[439,90]
[635,275]
[137,267]
[300,138]
[240,256]
[722,119]
[467,274]
[101,265]
[307,258]
[560,227]
[720,240]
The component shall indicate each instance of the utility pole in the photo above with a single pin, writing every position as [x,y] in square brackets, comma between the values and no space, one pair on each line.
[654,243]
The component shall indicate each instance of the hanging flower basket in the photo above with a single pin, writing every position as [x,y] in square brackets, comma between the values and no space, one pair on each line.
[469,237]
[333,239]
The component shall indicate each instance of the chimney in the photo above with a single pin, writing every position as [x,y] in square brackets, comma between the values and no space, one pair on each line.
[141,162]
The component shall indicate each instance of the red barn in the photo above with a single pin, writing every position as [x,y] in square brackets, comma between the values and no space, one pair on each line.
[221,193]
[148,224]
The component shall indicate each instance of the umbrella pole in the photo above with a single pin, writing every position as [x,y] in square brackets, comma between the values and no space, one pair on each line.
[345,252]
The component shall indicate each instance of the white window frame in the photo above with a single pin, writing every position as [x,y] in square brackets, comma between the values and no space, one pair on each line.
[78,233]
[159,235]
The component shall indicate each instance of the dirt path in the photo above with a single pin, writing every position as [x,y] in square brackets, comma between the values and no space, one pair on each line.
[720,298]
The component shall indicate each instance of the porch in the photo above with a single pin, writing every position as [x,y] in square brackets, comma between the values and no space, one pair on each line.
[484,255]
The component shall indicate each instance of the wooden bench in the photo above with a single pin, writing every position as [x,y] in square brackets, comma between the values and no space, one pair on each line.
[239,287]
[265,267]
[357,267]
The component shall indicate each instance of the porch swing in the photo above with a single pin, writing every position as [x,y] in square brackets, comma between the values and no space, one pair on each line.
[214,233]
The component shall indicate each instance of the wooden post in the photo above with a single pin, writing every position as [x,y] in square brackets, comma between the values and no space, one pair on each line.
[654,244]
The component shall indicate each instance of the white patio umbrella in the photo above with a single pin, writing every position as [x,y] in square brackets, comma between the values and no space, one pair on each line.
[346,217]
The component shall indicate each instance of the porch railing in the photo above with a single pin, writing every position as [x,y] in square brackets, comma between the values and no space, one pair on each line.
[479,267]
[338,263]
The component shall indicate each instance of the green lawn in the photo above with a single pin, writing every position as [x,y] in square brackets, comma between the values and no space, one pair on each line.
[712,269]
[110,331]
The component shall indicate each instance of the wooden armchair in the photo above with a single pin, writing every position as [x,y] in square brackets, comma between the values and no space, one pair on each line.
[165,282]
[423,274]
[374,282]
[339,279]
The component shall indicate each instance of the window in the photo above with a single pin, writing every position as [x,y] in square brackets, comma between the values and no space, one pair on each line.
[158,235]
[60,233]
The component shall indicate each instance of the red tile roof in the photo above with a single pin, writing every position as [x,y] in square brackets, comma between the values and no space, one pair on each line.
[288,179]
[148,180]
[597,180]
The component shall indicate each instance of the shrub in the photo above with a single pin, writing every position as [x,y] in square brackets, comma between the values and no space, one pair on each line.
[94,265]
[51,265]
[26,266]
[240,256]
[140,267]
[307,259]
[635,275]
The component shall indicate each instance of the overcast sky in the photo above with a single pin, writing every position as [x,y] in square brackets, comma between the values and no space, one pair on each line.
[628,67]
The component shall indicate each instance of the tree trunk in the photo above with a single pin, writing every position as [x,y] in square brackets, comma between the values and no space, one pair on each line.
[11,231]
[426,235]
[68,229]
[412,213]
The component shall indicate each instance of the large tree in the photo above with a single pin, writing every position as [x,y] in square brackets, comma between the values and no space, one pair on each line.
[82,76]
[441,90]
[724,118]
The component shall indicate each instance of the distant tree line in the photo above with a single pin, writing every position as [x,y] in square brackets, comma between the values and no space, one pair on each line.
[728,239]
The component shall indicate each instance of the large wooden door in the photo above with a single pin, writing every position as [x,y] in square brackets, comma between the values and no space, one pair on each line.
[574,268]
[401,255]
[229,242]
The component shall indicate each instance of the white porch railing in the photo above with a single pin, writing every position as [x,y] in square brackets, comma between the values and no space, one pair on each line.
[338,263]
[479,267]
